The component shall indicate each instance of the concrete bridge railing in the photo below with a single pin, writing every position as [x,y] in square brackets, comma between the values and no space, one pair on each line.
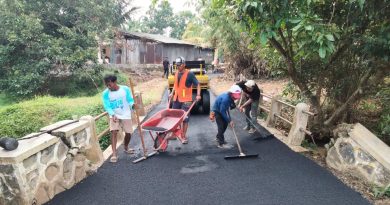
[299,121]
[46,165]
[54,160]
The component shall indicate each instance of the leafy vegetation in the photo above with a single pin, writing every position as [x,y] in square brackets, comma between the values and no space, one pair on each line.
[216,28]
[334,52]
[4,100]
[43,39]
[20,119]
[160,19]
[381,191]
[309,145]
[29,116]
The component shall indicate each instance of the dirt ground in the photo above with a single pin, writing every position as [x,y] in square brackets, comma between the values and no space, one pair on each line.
[269,87]
[152,87]
[318,155]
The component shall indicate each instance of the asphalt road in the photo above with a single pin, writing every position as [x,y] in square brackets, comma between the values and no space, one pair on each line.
[196,173]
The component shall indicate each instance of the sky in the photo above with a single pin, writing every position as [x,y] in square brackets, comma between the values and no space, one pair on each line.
[177,5]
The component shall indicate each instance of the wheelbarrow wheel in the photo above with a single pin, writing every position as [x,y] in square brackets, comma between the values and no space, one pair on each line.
[206,102]
[159,139]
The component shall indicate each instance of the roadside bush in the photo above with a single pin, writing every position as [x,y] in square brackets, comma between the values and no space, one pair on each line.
[380,192]
[274,63]
[29,116]
[383,129]
[122,78]
[84,82]
[88,82]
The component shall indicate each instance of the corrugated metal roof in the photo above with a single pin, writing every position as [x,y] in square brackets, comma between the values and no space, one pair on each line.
[158,38]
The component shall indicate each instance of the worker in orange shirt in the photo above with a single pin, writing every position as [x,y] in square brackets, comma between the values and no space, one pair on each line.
[182,91]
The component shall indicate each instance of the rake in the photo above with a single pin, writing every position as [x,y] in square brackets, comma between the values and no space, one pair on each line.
[242,155]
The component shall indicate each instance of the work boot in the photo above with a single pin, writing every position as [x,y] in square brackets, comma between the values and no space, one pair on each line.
[246,128]
[252,130]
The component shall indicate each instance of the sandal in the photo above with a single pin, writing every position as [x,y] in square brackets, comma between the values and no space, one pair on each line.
[113,159]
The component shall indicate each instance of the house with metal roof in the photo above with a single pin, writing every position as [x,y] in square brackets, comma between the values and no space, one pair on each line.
[135,48]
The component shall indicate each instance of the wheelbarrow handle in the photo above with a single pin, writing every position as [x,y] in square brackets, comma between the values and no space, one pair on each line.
[170,96]
[189,110]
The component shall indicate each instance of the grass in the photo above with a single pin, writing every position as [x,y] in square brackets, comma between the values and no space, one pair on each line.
[4,100]
[380,192]
[20,119]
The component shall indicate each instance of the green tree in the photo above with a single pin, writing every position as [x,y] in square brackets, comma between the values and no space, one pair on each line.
[335,52]
[194,33]
[179,23]
[216,28]
[44,38]
[136,26]
[158,18]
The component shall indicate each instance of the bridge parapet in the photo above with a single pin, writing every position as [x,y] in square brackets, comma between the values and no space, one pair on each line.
[358,151]
[48,164]
[298,124]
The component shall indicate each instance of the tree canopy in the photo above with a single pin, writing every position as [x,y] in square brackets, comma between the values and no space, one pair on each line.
[51,37]
[160,19]
[335,52]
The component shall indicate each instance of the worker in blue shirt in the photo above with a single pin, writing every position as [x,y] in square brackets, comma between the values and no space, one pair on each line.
[220,112]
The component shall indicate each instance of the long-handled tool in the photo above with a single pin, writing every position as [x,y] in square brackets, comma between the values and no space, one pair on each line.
[262,131]
[146,155]
[242,155]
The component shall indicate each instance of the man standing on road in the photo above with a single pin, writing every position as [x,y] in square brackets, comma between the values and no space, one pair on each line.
[118,102]
[251,104]
[182,91]
[166,67]
[220,113]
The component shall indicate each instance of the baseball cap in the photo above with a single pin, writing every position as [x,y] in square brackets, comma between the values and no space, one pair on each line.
[235,89]
[250,83]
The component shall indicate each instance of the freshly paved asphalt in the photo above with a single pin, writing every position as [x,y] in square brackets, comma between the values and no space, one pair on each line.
[197,173]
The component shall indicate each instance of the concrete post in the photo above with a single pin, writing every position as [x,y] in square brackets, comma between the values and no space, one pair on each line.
[93,152]
[276,107]
[295,136]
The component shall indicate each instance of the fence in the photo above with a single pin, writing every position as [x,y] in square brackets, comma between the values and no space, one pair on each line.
[300,118]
